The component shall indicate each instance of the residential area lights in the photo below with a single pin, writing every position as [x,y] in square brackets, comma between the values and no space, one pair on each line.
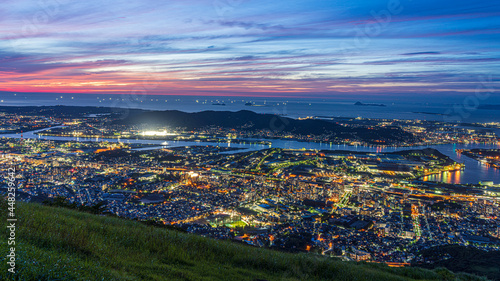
[379,206]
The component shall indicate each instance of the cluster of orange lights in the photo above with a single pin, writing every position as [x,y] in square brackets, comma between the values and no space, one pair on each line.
[100,150]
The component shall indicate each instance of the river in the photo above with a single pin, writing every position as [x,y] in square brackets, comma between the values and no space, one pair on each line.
[474,171]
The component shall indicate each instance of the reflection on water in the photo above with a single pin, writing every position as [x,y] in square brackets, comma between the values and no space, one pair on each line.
[474,172]
[447,177]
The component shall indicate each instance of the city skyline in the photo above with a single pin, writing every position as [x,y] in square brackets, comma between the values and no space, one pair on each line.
[250,140]
[322,49]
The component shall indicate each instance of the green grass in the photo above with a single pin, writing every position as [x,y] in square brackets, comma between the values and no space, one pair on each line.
[63,244]
[237,224]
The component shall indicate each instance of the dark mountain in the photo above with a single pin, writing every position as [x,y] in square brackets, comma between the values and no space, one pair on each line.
[248,120]
[244,119]
[241,120]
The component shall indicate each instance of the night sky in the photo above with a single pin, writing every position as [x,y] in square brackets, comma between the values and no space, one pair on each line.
[251,48]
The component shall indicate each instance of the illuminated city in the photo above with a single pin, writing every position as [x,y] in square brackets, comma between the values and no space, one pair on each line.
[259,141]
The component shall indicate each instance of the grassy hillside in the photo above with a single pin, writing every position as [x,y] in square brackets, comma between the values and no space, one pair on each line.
[62,244]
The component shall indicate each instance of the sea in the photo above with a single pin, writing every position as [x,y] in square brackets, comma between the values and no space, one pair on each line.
[466,109]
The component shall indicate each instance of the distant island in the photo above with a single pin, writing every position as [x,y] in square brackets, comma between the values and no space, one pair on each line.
[370,104]
[219,104]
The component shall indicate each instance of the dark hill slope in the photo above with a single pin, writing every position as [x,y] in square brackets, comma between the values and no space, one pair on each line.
[242,120]
[248,120]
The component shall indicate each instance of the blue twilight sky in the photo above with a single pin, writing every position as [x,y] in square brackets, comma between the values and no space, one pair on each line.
[314,48]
